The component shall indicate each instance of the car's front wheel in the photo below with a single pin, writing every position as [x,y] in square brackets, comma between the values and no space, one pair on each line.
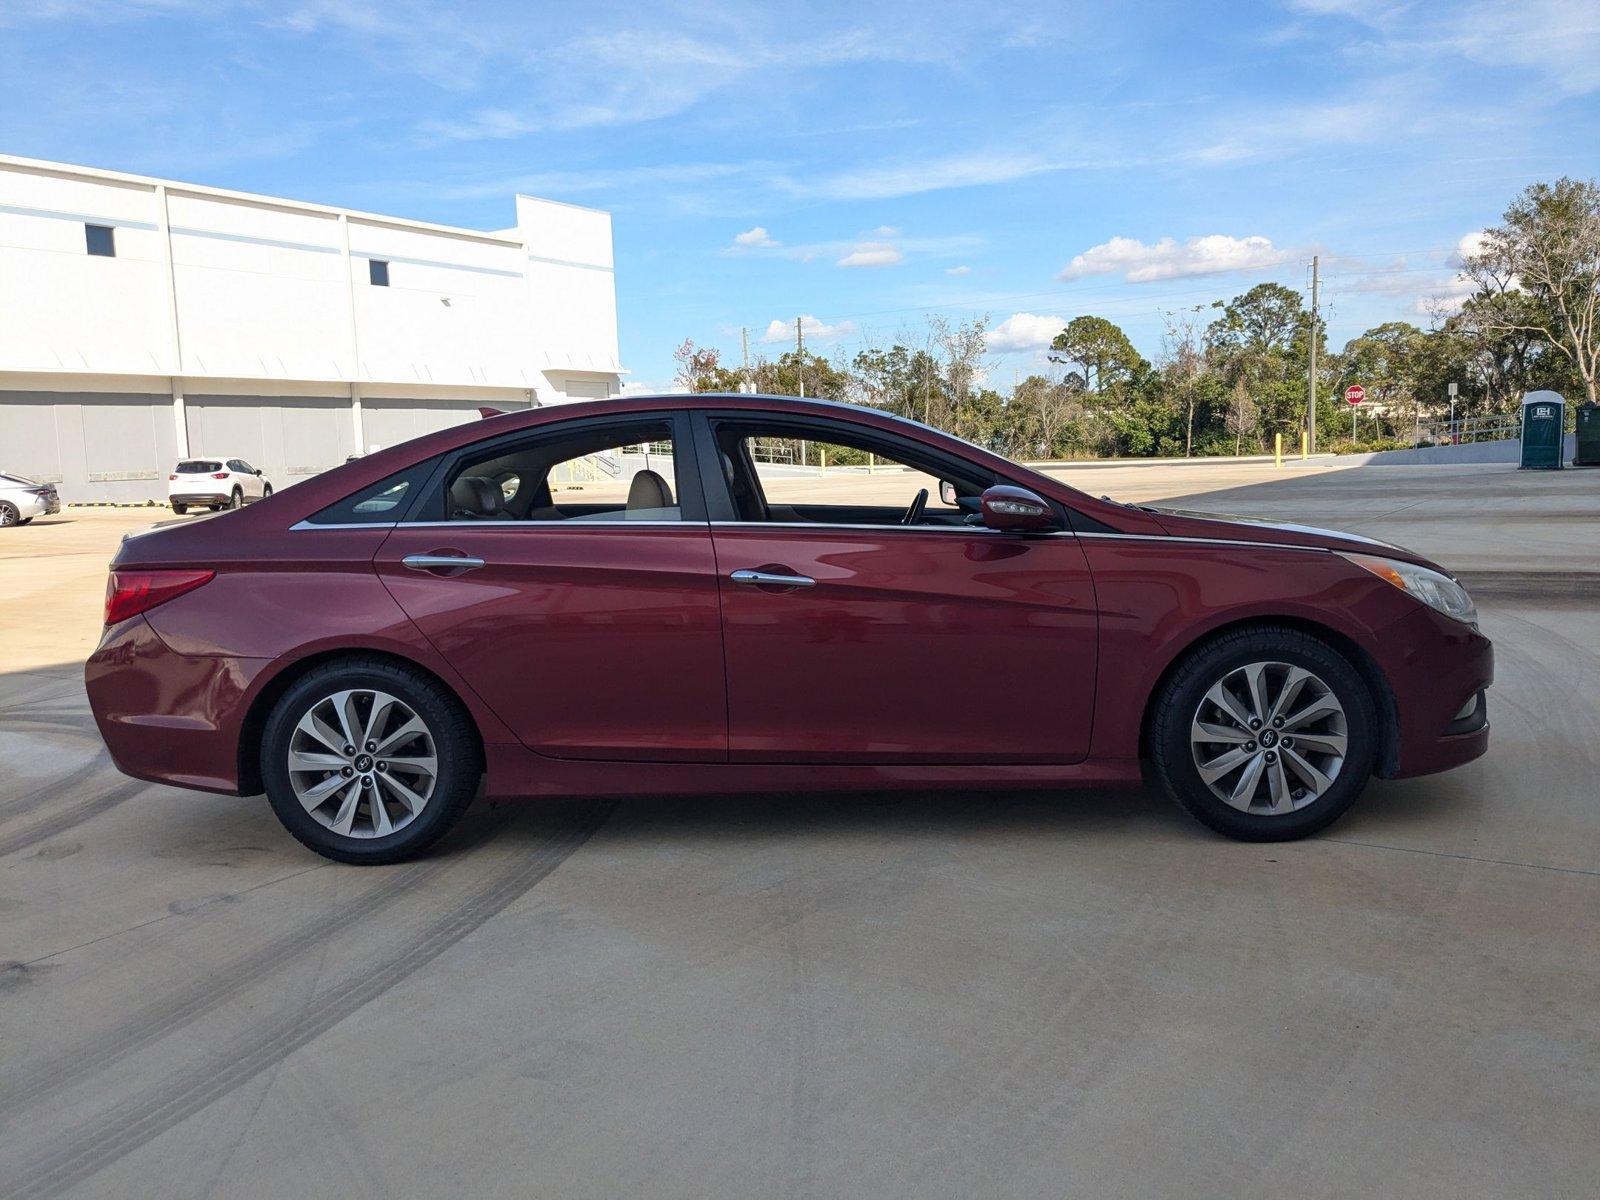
[1265,734]
[369,761]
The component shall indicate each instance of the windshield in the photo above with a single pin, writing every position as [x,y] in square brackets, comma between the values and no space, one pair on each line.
[199,466]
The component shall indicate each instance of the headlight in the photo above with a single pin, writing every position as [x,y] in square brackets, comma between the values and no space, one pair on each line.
[1437,591]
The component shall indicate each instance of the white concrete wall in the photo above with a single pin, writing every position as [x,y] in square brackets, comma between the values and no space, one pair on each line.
[263,288]
[233,318]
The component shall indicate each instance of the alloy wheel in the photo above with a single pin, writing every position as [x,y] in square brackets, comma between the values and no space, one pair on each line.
[1269,738]
[362,763]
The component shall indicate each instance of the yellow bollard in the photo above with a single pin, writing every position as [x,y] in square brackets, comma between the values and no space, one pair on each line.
[1277,449]
[1302,445]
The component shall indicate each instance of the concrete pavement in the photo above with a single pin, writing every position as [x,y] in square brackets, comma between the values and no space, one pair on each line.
[928,995]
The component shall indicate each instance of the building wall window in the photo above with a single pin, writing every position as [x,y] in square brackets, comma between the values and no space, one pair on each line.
[378,272]
[100,240]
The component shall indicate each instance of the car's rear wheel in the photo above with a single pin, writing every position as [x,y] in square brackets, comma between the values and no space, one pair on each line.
[9,513]
[180,509]
[214,507]
[266,490]
[369,761]
[236,500]
[1265,734]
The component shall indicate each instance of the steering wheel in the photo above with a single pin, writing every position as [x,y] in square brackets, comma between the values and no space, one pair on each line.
[914,513]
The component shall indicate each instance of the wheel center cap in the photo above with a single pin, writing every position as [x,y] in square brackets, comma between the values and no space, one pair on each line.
[1268,738]
[363,762]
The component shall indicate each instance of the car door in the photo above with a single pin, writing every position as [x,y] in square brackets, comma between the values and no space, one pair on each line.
[568,575]
[247,479]
[850,638]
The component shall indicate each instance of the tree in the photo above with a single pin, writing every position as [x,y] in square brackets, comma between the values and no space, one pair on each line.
[700,369]
[1242,415]
[1548,249]
[1181,372]
[1102,350]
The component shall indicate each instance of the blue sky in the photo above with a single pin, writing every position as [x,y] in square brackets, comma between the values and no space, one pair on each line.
[860,164]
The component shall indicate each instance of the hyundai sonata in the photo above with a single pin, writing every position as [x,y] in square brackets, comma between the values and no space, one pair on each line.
[730,593]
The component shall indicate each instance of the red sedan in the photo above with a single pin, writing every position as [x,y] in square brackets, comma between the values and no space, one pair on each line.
[730,593]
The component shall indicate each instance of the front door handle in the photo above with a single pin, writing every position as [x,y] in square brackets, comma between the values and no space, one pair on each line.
[772,579]
[441,562]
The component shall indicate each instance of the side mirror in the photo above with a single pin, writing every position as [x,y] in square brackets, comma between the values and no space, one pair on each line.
[1017,510]
[258,470]
[947,492]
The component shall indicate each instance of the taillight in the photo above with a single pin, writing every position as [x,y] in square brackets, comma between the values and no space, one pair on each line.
[220,475]
[129,593]
[170,478]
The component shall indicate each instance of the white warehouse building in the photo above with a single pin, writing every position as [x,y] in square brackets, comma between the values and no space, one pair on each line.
[143,321]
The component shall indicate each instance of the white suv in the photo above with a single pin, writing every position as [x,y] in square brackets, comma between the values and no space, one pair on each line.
[215,483]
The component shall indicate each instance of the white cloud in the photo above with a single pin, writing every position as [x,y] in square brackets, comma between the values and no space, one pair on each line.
[885,231]
[1023,331]
[1470,244]
[753,238]
[815,331]
[963,269]
[872,254]
[1137,262]
[910,177]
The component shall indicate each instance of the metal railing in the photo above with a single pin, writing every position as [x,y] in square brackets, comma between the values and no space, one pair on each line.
[1493,428]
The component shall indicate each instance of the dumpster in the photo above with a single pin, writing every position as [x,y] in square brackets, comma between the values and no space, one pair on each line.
[1543,415]
[1587,453]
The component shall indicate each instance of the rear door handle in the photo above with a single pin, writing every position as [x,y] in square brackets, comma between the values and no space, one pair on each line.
[772,580]
[442,562]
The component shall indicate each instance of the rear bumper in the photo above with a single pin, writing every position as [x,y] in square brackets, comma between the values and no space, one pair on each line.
[168,717]
[1436,667]
[199,497]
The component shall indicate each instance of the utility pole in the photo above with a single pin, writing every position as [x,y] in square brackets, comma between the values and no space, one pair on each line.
[800,356]
[1311,369]
[744,341]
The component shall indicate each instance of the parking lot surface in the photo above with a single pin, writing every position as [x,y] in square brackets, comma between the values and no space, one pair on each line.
[943,994]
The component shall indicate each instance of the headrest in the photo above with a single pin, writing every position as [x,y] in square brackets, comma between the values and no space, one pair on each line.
[649,490]
[473,495]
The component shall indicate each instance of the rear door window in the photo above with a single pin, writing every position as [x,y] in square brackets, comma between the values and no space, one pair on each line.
[611,472]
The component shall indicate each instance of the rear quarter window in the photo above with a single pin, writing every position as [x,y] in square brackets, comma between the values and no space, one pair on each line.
[381,503]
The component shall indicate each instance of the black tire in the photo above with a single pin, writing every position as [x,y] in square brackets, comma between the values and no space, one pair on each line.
[214,507]
[266,490]
[9,513]
[455,740]
[236,500]
[1179,700]
[180,509]
[25,521]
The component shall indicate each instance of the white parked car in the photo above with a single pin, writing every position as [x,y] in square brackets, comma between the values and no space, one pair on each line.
[214,483]
[21,500]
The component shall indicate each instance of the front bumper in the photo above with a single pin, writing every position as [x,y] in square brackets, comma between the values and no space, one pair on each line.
[1436,667]
[169,717]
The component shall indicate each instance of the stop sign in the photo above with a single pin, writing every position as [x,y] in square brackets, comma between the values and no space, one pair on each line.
[1355,394]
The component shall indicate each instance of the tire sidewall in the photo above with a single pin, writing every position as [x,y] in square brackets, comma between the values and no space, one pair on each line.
[9,514]
[457,781]
[1175,764]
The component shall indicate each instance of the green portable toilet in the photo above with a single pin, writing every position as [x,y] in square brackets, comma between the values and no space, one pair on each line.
[1587,452]
[1543,415]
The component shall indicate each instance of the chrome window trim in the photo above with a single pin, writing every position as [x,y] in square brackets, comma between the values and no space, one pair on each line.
[303,525]
[826,525]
